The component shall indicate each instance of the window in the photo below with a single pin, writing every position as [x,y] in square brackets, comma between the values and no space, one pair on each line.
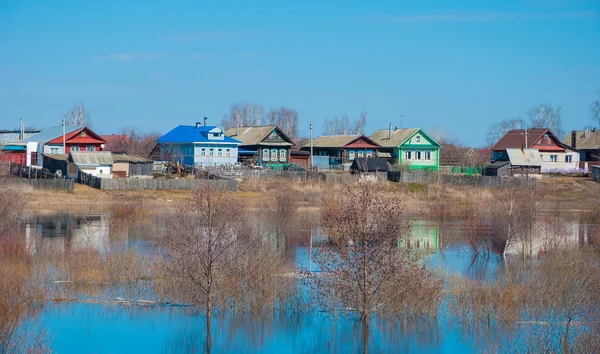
[553,158]
[211,152]
[361,154]
[274,155]
[282,155]
[408,155]
[83,134]
[418,155]
[228,152]
[34,158]
[351,155]
[203,152]
[74,148]
[265,153]
[54,150]
[220,152]
[418,138]
[216,135]
[568,158]
[90,148]
[369,153]
[427,155]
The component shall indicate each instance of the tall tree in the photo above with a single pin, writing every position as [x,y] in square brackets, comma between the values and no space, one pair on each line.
[78,116]
[546,116]
[132,142]
[498,130]
[341,125]
[244,114]
[286,119]
[595,109]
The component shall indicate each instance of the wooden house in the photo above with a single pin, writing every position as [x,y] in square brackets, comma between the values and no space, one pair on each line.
[50,141]
[555,155]
[198,145]
[98,164]
[409,147]
[268,144]
[516,162]
[343,149]
[128,166]
[587,143]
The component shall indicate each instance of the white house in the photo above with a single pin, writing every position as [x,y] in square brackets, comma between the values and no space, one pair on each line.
[199,145]
[98,164]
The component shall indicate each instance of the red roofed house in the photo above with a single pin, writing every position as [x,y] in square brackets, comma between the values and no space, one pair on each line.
[556,156]
[50,141]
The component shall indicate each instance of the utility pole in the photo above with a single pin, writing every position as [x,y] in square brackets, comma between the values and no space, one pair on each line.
[401,126]
[64,122]
[311,146]
[526,146]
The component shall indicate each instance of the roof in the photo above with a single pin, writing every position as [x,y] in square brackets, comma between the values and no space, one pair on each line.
[256,135]
[115,138]
[384,154]
[14,148]
[591,141]
[60,157]
[92,158]
[399,136]
[129,158]
[18,131]
[524,157]
[337,141]
[370,164]
[191,134]
[496,165]
[50,134]
[515,138]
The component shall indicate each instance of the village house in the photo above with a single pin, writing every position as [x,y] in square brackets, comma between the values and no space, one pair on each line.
[516,162]
[341,149]
[268,144]
[98,164]
[50,141]
[198,145]
[409,147]
[131,166]
[555,155]
[587,142]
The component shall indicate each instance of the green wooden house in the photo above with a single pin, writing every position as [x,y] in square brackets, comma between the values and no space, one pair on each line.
[409,147]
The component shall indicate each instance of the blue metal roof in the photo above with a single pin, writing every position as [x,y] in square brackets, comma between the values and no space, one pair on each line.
[14,148]
[191,134]
[49,134]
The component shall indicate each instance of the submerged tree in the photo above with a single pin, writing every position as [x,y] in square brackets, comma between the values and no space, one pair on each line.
[364,270]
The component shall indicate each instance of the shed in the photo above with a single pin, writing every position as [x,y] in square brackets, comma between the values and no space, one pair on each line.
[516,162]
[596,173]
[125,166]
[374,164]
[56,162]
[98,164]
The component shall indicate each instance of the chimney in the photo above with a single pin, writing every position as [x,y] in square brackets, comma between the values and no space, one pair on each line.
[197,125]
[574,139]
[586,132]
[205,121]
[390,132]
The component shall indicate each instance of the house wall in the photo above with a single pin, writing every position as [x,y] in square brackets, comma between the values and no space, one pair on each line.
[279,160]
[33,149]
[202,154]
[14,156]
[560,165]
[121,168]
[103,171]
[413,161]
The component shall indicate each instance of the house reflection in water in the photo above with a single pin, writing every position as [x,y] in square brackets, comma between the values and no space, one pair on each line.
[423,235]
[67,232]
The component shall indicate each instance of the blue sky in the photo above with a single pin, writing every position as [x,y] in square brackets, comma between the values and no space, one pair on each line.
[451,66]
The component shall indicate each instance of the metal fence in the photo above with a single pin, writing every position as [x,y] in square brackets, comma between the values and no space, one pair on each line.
[450,179]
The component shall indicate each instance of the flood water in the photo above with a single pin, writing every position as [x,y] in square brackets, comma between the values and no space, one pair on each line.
[112,328]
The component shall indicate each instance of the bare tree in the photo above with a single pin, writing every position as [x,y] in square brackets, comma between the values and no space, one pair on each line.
[595,109]
[498,130]
[364,271]
[286,119]
[341,125]
[244,114]
[78,116]
[546,116]
[133,142]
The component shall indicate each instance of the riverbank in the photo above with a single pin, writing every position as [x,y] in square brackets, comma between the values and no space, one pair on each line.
[553,193]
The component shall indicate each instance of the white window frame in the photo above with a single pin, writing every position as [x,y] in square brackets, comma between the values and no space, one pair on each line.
[408,155]
[568,158]
[219,152]
[553,158]
[90,148]
[427,155]
[361,154]
[369,153]
[418,155]
[54,150]
[282,155]
[75,148]
[228,153]
[265,154]
[203,152]
[351,155]
[211,152]
[273,155]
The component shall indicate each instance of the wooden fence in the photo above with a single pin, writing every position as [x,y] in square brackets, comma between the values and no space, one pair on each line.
[19,170]
[165,184]
[89,180]
[449,179]
[50,184]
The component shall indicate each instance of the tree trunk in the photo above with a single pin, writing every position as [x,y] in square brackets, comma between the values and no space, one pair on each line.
[365,337]
[208,318]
